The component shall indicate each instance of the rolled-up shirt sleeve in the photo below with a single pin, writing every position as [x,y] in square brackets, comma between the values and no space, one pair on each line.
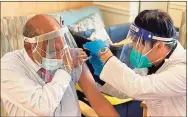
[169,83]
[33,96]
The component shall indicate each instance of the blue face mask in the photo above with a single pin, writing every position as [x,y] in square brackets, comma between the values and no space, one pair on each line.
[51,64]
[139,60]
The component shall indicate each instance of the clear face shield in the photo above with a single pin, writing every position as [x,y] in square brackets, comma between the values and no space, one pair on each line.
[55,50]
[137,53]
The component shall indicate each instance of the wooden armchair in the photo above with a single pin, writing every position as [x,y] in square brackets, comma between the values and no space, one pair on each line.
[143,105]
[85,109]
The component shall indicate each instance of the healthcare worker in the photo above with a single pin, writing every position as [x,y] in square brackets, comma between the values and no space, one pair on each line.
[159,77]
[39,79]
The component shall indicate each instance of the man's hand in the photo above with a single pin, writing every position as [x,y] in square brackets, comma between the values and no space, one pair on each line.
[78,56]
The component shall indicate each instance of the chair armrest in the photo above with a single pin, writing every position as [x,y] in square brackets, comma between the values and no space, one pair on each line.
[87,110]
[143,105]
[123,42]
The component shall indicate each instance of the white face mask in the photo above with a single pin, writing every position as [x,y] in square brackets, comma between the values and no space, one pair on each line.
[51,64]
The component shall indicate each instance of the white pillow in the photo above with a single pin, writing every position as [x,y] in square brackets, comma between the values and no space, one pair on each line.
[94,21]
[101,34]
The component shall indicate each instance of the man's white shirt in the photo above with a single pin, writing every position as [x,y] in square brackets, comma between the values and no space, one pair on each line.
[20,81]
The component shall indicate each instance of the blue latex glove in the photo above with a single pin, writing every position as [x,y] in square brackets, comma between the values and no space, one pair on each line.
[97,64]
[95,46]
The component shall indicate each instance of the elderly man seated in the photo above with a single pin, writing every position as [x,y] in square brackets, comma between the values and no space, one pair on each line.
[39,79]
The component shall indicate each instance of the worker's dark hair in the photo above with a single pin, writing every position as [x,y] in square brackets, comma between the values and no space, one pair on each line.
[157,22]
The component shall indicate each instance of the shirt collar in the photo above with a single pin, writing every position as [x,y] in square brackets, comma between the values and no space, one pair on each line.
[30,61]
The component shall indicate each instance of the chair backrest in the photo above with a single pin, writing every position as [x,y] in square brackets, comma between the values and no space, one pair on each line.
[118,32]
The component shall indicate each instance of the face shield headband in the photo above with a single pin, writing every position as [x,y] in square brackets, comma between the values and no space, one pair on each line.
[146,35]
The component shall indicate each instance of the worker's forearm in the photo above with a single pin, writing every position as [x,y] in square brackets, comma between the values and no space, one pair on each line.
[96,99]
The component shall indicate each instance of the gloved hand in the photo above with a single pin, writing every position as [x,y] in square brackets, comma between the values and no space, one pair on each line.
[95,46]
[96,63]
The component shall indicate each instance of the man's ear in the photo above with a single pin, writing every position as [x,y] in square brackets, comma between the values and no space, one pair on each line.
[28,48]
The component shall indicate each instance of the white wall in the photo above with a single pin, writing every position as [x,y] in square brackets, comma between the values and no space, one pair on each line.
[26,8]
[118,12]
[123,12]
[173,8]
[154,5]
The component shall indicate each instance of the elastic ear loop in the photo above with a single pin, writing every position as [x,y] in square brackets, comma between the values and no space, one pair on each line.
[159,58]
[43,50]
[151,49]
[35,50]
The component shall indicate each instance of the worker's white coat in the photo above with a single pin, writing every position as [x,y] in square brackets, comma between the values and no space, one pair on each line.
[164,92]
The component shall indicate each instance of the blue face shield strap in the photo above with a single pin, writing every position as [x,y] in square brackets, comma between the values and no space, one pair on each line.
[138,32]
